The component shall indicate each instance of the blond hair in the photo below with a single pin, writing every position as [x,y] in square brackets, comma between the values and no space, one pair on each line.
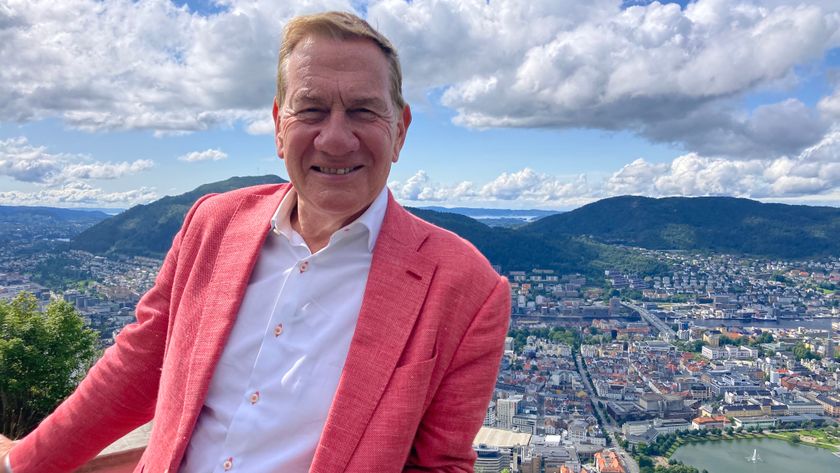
[338,26]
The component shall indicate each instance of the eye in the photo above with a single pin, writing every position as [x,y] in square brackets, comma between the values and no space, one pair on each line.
[363,113]
[311,114]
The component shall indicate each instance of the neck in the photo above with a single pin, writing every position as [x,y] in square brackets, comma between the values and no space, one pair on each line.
[316,229]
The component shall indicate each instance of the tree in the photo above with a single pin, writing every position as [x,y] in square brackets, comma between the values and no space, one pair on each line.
[43,356]
[644,461]
[800,351]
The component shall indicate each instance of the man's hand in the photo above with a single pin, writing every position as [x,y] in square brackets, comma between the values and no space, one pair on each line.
[6,444]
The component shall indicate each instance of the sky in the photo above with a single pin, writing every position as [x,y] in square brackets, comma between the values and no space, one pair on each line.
[547,104]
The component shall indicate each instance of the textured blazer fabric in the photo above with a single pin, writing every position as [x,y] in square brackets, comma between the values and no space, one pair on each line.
[414,389]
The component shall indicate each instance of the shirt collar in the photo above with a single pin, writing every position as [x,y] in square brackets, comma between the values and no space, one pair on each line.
[371,219]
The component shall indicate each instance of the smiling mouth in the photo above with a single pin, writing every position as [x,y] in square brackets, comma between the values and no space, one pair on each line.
[339,171]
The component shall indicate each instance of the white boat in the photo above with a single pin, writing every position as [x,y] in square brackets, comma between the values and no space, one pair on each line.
[754,458]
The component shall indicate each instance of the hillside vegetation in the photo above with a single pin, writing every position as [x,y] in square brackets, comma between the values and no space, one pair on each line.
[586,240]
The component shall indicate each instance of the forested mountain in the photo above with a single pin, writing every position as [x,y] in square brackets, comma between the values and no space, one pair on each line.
[720,224]
[583,240]
[147,230]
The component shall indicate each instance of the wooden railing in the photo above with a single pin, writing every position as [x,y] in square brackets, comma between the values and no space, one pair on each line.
[121,456]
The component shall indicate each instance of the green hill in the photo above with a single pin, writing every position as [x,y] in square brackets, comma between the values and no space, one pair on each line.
[583,240]
[513,250]
[720,224]
[147,230]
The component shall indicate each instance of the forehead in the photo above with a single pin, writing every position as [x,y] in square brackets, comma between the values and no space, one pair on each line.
[320,65]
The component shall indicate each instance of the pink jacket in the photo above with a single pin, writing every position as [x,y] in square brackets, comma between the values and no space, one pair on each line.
[418,377]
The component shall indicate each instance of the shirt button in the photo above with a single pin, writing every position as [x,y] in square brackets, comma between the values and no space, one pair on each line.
[228,464]
[304,266]
[278,330]
[255,396]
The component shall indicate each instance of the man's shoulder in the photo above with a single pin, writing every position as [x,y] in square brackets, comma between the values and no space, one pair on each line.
[228,201]
[236,195]
[215,210]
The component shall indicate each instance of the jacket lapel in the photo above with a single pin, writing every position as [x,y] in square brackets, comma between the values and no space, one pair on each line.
[396,288]
[236,255]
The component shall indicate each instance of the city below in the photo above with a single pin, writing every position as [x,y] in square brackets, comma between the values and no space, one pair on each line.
[616,373]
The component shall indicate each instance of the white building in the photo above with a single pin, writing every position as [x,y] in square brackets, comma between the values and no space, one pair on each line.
[505,410]
[490,415]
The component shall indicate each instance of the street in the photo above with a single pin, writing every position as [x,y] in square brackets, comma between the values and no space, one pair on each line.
[610,427]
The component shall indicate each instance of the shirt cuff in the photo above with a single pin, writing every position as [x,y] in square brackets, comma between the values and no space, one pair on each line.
[7,464]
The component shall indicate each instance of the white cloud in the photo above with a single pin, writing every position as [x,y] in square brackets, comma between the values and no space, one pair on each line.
[814,171]
[593,64]
[146,64]
[27,163]
[813,175]
[526,187]
[77,194]
[829,106]
[61,177]
[530,185]
[206,155]
[672,75]
[106,170]
[420,188]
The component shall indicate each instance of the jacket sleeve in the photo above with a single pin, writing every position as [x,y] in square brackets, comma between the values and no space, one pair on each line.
[119,392]
[443,442]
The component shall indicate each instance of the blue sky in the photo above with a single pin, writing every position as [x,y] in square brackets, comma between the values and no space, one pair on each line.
[541,104]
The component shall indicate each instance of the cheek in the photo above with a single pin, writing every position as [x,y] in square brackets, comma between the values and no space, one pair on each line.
[293,135]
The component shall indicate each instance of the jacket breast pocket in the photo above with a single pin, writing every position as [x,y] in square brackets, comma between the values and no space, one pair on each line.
[416,374]
[409,386]
[401,407]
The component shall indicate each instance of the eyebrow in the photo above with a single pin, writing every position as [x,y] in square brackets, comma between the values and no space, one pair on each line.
[309,99]
[370,102]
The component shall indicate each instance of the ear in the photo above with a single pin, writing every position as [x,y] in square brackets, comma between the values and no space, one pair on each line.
[402,128]
[278,142]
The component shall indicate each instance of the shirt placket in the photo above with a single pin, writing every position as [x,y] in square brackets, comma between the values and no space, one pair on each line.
[270,361]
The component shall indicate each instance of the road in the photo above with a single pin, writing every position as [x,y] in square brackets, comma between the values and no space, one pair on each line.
[610,426]
[664,329]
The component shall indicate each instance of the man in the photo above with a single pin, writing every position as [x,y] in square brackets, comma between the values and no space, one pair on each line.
[317,326]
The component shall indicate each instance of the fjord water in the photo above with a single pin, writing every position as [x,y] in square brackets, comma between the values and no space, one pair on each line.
[777,456]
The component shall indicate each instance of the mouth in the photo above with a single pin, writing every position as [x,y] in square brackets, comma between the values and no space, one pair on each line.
[337,171]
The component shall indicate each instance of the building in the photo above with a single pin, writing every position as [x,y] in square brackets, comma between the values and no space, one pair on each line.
[830,404]
[490,415]
[662,405]
[712,337]
[742,410]
[525,423]
[760,422]
[549,454]
[670,426]
[712,353]
[577,431]
[512,446]
[714,422]
[506,409]
[489,460]
[607,461]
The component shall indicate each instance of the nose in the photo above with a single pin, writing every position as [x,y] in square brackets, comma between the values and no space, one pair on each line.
[336,137]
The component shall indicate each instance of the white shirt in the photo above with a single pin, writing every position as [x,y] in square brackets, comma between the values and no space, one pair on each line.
[272,389]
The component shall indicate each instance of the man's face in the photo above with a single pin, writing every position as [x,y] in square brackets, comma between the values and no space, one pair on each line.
[338,130]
